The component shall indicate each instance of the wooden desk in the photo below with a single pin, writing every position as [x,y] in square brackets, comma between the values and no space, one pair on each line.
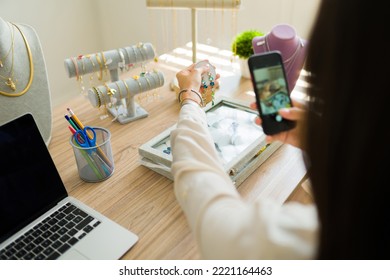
[142,200]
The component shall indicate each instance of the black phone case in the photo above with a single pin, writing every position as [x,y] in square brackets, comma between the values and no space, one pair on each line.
[269,121]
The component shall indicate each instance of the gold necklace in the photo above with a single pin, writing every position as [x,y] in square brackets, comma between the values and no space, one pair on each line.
[10,81]
[10,47]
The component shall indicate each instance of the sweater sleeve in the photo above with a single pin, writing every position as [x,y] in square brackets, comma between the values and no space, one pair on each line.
[224,225]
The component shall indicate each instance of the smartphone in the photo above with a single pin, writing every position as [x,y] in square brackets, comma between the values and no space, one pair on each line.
[271,90]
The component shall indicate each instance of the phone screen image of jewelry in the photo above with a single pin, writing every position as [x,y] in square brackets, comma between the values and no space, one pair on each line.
[271,87]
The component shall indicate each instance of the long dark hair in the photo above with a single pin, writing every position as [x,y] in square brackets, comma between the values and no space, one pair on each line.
[348,127]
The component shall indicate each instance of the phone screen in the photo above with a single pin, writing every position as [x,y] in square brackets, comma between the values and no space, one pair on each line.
[271,89]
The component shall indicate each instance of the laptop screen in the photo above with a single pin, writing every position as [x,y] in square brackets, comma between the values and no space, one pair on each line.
[29,181]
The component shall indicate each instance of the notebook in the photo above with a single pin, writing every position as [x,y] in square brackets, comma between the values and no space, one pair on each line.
[38,219]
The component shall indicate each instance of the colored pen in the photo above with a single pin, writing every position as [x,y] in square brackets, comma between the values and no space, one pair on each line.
[72,129]
[81,126]
[94,165]
[76,119]
[71,122]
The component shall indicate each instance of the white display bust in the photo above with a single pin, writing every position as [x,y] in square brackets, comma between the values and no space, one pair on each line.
[31,93]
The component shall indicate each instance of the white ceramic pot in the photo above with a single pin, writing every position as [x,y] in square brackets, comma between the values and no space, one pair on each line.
[244,68]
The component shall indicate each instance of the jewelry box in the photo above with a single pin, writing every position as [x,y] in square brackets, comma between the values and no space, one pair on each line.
[240,142]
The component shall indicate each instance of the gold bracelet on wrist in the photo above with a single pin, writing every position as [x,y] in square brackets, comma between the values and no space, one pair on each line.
[201,103]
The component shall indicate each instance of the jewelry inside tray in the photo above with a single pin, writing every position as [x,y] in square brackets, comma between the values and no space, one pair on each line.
[240,142]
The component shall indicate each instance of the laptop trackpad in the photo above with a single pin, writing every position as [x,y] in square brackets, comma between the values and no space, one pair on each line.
[73,254]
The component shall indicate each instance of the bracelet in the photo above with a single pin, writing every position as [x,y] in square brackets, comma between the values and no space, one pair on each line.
[76,68]
[100,77]
[194,91]
[99,102]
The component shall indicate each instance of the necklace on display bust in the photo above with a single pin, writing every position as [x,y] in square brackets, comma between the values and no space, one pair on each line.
[283,38]
[10,80]
[10,47]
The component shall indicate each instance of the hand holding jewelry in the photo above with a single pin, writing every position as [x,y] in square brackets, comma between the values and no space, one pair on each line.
[208,81]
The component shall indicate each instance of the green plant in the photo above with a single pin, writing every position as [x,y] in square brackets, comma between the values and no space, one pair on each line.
[242,43]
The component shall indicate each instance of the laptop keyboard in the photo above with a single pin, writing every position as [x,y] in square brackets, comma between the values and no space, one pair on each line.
[52,237]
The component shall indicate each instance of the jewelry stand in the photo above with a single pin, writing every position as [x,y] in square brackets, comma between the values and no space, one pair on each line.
[284,38]
[119,94]
[113,94]
[194,5]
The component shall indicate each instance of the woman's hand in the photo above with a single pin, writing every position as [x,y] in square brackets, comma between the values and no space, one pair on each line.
[191,77]
[294,136]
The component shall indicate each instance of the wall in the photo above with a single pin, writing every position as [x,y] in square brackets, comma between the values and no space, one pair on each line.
[264,14]
[72,27]
[64,29]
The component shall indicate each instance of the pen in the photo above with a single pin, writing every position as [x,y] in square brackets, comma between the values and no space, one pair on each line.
[76,119]
[81,126]
[72,130]
[90,160]
[73,125]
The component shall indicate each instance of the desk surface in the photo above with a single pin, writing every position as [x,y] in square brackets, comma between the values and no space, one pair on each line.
[142,200]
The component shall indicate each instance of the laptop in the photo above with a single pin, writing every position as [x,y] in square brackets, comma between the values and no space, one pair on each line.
[38,219]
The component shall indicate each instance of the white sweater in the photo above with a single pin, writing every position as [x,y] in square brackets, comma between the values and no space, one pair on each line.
[226,227]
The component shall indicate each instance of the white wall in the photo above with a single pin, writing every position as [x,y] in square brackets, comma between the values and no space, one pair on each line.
[264,14]
[64,28]
[71,27]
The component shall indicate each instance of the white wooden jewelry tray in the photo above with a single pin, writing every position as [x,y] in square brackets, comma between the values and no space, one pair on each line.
[240,143]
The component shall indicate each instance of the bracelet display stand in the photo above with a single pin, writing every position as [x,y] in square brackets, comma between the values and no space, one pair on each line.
[112,94]
[118,95]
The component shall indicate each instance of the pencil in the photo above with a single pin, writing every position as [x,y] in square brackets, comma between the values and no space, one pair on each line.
[75,119]
[73,125]
[86,156]
[81,126]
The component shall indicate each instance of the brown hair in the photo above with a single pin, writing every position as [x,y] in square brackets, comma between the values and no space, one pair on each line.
[347,144]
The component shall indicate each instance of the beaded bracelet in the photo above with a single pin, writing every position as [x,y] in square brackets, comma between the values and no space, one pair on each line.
[194,91]
[99,102]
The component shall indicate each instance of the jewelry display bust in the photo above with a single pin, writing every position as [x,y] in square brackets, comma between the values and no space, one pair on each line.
[284,38]
[24,85]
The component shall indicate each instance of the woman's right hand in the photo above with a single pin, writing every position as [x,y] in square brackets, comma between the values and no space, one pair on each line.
[191,77]
[293,136]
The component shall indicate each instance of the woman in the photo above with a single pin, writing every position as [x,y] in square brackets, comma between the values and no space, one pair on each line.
[224,225]
[346,162]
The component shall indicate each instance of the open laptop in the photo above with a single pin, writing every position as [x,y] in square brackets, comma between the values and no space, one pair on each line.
[38,219]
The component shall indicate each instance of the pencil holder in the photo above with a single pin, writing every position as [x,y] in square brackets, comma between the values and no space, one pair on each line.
[92,150]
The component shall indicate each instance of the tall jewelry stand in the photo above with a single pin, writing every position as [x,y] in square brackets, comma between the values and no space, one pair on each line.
[117,96]
[194,5]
